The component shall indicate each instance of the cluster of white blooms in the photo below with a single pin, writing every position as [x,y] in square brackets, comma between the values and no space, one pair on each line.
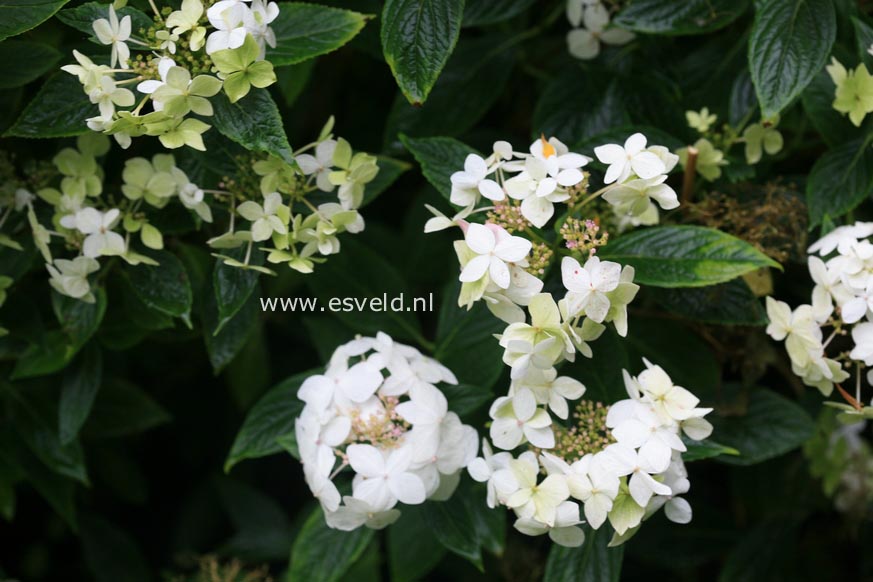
[842,300]
[622,462]
[192,55]
[522,190]
[377,413]
[86,221]
[590,21]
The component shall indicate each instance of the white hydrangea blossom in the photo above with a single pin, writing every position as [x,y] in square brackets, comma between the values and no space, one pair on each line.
[377,414]
[841,266]
[591,27]
[632,467]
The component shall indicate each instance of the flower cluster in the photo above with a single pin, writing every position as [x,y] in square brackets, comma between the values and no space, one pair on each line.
[840,265]
[622,465]
[95,225]
[496,264]
[590,21]
[377,414]
[193,53]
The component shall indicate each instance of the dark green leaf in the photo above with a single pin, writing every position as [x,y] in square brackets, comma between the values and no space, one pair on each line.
[593,561]
[271,417]
[25,62]
[292,80]
[35,416]
[791,42]
[840,180]
[705,449]
[263,533]
[253,122]
[225,345]
[472,81]
[17,16]
[484,12]
[122,408]
[731,303]
[439,158]
[233,286]
[389,171]
[417,38]
[407,561]
[304,31]
[864,40]
[78,391]
[601,374]
[771,426]
[358,273]
[111,553]
[454,527]
[165,287]
[59,109]
[685,256]
[574,107]
[310,558]
[677,17]
[465,399]
[82,18]
[465,341]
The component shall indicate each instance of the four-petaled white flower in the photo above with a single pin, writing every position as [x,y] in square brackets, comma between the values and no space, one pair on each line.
[97,226]
[631,159]
[584,43]
[588,286]
[517,418]
[383,479]
[494,248]
[530,499]
[473,182]
[116,33]
[320,164]
[70,278]
[265,218]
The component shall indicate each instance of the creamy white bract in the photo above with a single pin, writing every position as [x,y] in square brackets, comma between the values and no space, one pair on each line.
[377,415]
[841,266]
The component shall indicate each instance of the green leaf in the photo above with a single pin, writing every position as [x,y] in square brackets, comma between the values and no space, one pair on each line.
[685,256]
[791,41]
[677,349]
[464,399]
[165,287]
[417,38]
[79,321]
[705,449]
[574,106]
[122,408]
[111,553]
[840,180]
[233,286]
[263,532]
[771,426]
[453,525]
[292,80]
[439,158]
[731,303]
[601,374]
[78,391]
[471,83]
[310,558]
[253,122]
[679,17]
[271,417]
[35,416]
[864,40]
[17,16]
[59,109]
[304,31]
[592,561]
[25,62]
[390,171]
[407,561]
[233,336]
[465,340]
[485,12]
[359,273]
[82,18]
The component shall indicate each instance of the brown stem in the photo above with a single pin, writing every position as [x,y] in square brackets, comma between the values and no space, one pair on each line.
[690,171]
